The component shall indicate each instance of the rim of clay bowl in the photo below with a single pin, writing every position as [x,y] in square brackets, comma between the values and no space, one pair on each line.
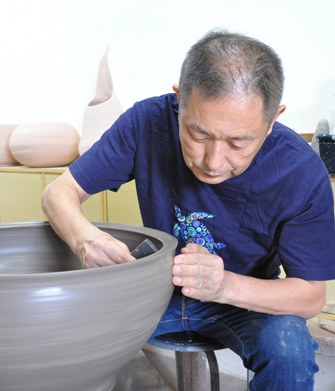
[168,241]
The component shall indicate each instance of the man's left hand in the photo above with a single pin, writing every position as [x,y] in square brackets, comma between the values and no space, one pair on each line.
[200,273]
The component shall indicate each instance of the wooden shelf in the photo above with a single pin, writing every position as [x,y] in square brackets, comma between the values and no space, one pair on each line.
[54,170]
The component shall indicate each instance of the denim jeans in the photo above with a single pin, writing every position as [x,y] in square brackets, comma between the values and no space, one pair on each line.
[277,348]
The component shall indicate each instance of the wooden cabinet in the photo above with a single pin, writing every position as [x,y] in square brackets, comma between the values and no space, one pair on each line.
[122,207]
[21,190]
[20,196]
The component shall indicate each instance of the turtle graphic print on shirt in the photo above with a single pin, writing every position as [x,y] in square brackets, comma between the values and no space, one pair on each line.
[193,230]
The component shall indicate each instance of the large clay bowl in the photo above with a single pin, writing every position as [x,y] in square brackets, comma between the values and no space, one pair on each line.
[63,328]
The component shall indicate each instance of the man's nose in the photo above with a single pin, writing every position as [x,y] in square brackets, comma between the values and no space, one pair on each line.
[216,153]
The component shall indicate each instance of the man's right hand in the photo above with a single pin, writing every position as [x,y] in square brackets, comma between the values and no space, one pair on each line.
[103,250]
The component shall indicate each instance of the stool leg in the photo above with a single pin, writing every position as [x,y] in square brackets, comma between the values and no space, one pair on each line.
[191,371]
[250,376]
[213,370]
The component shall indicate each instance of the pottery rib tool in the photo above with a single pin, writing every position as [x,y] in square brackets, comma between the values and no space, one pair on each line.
[144,249]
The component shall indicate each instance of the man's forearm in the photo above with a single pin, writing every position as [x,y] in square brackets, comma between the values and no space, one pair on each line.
[291,296]
[61,204]
[202,276]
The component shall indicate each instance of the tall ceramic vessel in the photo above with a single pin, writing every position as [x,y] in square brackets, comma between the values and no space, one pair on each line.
[6,157]
[63,328]
[102,111]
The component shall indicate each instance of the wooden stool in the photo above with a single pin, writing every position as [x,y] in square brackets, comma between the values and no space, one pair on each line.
[190,349]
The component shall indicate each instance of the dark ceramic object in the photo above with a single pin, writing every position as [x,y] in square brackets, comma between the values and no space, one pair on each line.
[67,329]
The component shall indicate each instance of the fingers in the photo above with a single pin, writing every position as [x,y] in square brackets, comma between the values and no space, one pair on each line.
[113,251]
[194,248]
[204,289]
[197,258]
[90,265]
[199,294]
[195,282]
[200,274]
[104,251]
[189,275]
[194,270]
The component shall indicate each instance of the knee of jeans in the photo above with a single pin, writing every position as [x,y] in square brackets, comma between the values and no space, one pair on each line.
[286,341]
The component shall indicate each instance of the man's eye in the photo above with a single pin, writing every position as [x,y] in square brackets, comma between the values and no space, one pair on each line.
[238,146]
[198,136]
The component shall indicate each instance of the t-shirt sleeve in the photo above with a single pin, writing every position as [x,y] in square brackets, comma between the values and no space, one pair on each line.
[306,245]
[109,163]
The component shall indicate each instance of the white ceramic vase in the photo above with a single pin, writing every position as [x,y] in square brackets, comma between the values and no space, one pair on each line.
[103,110]
[44,144]
[6,157]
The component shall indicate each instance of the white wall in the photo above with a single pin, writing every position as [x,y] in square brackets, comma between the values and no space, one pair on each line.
[50,51]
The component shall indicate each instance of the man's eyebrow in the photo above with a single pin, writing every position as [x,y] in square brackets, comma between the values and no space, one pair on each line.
[242,138]
[237,138]
[197,129]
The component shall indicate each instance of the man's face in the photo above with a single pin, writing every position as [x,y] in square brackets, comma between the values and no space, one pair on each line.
[220,138]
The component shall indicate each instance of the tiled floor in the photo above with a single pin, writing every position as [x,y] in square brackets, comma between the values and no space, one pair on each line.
[165,366]
[139,375]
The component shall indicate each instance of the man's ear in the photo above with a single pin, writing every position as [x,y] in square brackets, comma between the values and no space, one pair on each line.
[280,110]
[175,88]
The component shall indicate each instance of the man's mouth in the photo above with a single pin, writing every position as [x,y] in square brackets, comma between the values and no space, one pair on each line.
[213,176]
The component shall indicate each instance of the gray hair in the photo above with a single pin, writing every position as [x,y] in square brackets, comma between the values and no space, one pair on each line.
[225,65]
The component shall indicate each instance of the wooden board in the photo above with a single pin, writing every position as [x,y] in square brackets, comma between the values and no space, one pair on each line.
[324,338]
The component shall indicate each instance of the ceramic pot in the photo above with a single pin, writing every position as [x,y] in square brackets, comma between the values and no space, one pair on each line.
[44,144]
[63,328]
[6,157]
[102,111]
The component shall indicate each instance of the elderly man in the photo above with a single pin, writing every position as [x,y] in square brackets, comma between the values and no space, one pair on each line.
[244,193]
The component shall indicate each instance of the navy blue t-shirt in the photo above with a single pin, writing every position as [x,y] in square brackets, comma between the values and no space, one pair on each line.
[279,211]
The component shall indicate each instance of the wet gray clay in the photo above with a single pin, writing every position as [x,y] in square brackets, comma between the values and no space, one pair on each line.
[67,329]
